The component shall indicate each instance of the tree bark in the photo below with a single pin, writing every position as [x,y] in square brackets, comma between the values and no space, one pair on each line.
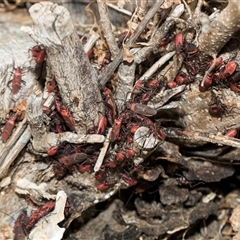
[66,59]
[222,29]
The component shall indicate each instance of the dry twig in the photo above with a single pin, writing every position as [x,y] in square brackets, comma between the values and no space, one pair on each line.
[195,136]
[103,151]
[106,28]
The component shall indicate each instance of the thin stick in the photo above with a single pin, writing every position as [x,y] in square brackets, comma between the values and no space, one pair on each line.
[124,11]
[103,152]
[198,8]
[107,28]
[10,154]
[14,138]
[104,77]
[152,11]
[157,65]
[202,136]
[142,54]
[91,41]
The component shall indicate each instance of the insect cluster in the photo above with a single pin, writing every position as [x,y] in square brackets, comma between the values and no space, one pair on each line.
[129,159]
[117,164]
[219,74]
[189,52]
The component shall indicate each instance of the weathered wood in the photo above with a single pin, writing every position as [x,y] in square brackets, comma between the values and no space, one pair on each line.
[26,167]
[12,149]
[105,24]
[124,85]
[15,54]
[66,59]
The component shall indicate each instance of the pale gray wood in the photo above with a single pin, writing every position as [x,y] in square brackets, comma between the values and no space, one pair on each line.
[66,59]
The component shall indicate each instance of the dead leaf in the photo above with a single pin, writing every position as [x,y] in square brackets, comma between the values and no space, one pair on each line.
[207,172]
[127,55]
[20,110]
[100,51]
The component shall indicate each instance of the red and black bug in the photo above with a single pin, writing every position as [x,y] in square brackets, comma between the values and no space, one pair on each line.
[65,113]
[142,109]
[38,53]
[72,159]
[38,214]
[217,109]
[106,185]
[183,78]
[235,87]
[232,133]
[179,40]
[116,129]
[17,80]
[19,227]
[7,130]
[128,179]
[102,125]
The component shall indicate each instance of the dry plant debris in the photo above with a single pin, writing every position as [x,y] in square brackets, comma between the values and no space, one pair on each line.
[141,123]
